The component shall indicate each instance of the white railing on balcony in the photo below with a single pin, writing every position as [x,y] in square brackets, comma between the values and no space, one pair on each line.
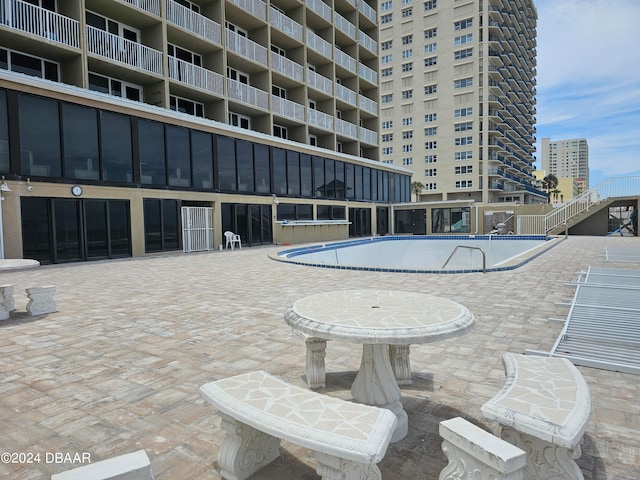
[344,25]
[151,6]
[286,25]
[367,74]
[346,128]
[247,94]
[287,108]
[257,8]
[368,136]
[320,119]
[319,44]
[193,22]
[367,42]
[287,67]
[367,104]
[196,76]
[345,60]
[120,49]
[320,8]
[346,94]
[317,81]
[41,22]
[247,48]
[367,11]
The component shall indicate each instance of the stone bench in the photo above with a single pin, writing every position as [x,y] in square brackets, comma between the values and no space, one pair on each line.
[258,410]
[7,303]
[131,466]
[41,300]
[543,408]
[475,453]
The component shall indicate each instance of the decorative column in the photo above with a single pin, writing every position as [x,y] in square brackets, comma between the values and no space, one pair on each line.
[316,349]
[334,468]
[401,363]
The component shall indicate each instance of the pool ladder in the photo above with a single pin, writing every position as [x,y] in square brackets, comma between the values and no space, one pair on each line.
[484,256]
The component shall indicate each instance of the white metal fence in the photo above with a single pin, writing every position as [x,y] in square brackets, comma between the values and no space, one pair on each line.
[197,229]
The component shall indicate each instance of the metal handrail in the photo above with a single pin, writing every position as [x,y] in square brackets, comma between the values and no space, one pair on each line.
[484,256]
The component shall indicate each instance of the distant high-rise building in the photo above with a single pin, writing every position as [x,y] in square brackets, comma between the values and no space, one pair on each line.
[457,97]
[566,158]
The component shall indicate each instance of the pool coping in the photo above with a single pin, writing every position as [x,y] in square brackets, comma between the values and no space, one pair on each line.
[550,242]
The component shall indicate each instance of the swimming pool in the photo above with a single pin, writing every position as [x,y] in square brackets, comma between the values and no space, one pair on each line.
[423,254]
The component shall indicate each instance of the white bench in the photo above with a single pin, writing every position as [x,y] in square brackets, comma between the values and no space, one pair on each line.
[258,410]
[130,466]
[41,300]
[475,453]
[543,408]
[7,303]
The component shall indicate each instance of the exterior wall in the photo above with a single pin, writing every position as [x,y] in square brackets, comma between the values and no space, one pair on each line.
[440,57]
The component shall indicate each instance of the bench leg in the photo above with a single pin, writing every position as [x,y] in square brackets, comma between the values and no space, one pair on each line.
[244,449]
[316,375]
[401,363]
[545,461]
[7,303]
[334,468]
[41,300]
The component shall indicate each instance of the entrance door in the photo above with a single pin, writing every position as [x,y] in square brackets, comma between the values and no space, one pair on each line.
[197,229]
[251,222]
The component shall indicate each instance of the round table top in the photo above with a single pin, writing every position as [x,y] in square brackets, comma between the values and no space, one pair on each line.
[379,316]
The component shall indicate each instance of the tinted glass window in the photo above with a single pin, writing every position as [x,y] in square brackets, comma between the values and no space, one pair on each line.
[119,234]
[279,163]
[330,178]
[244,155]
[366,183]
[4,134]
[261,162]
[80,136]
[358,181]
[202,159]
[115,131]
[318,177]
[39,136]
[306,176]
[178,156]
[340,179]
[96,228]
[152,226]
[170,224]
[349,181]
[36,229]
[67,230]
[151,147]
[293,173]
[226,158]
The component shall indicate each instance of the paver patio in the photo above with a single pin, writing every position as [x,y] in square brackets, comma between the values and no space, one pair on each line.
[117,368]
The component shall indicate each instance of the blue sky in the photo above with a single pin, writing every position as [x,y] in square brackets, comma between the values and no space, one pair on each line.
[589,80]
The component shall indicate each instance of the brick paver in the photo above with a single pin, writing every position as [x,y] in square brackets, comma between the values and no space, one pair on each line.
[117,368]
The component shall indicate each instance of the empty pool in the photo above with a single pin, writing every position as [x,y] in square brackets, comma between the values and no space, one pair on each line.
[423,254]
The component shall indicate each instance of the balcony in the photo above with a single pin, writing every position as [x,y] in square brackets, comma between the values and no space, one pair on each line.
[368,74]
[286,25]
[319,44]
[368,136]
[321,8]
[317,81]
[256,8]
[344,25]
[247,94]
[367,42]
[346,129]
[367,104]
[121,50]
[367,11]
[193,22]
[247,48]
[287,67]
[346,95]
[345,60]
[151,6]
[287,108]
[320,119]
[195,76]
[41,22]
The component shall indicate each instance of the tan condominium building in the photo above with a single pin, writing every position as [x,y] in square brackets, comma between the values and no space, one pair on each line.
[126,124]
[457,97]
[566,158]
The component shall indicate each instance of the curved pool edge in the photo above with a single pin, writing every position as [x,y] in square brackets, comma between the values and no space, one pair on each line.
[551,241]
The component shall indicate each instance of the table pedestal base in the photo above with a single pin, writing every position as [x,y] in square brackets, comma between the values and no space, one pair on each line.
[375,384]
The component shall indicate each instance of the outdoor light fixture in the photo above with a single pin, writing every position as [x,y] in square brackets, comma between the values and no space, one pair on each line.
[29,186]
[3,186]
[275,199]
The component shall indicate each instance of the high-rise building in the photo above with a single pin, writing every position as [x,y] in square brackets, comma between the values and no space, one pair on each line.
[263,112]
[566,158]
[457,97]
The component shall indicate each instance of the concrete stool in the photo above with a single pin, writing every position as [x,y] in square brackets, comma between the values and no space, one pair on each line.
[7,303]
[41,300]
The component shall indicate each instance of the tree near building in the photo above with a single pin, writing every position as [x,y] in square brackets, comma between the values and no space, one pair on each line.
[550,184]
[416,189]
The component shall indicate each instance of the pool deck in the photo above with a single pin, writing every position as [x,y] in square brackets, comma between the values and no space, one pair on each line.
[117,368]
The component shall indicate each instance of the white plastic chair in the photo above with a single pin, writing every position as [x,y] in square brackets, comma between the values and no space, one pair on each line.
[232,239]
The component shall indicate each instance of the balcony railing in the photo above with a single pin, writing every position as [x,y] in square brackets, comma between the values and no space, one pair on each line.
[196,76]
[193,22]
[367,11]
[346,128]
[368,136]
[367,42]
[247,94]
[287,108]
[344,25]
[247,48]
[317,81]
[287,67]
[257,8]
[320,119]
[151,6]
[286,25]
[319,44]
[41,22]
[367,74]
[346,94]
[125,51]
[367,104]
[321,8]
[345,60]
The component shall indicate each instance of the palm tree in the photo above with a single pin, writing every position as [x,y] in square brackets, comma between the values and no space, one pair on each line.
[550,184]
[416,189]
